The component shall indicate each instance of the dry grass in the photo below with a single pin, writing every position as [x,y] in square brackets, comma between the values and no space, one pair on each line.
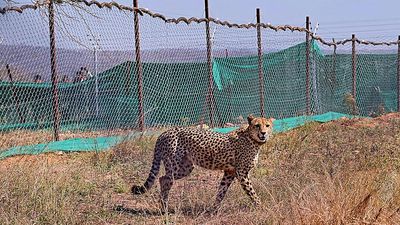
[343,172]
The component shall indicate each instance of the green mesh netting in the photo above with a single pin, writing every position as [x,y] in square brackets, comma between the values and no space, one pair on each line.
[175,93]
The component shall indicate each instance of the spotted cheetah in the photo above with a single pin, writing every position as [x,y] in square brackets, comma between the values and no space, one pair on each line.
[182,148]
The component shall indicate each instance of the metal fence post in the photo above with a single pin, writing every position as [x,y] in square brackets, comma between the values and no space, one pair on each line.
[260,63]
[139,67]
[354,64]
[308,98]
[334,58]
[334,80]
[210,96]
[398,74]
[54,77]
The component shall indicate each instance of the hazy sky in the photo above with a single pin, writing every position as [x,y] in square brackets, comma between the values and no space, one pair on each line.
[369,19]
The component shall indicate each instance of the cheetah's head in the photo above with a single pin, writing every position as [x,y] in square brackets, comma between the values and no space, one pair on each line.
[260,128]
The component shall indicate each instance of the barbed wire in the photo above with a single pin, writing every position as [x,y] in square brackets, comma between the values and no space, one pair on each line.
[35,6]
[190,20]
[19,9]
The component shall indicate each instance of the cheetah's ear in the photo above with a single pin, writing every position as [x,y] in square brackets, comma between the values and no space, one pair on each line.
[250,118]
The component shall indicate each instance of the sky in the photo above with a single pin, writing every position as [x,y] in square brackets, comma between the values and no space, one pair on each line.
[368,19]
[371,19]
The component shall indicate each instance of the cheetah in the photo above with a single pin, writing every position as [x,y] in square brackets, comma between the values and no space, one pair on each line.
[183,147]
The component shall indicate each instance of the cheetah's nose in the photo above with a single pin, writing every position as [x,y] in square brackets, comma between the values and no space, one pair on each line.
[263,133]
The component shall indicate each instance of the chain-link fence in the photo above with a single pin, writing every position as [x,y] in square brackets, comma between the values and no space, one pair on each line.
[186,71]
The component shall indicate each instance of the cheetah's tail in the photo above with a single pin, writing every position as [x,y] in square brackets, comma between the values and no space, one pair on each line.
[155,168]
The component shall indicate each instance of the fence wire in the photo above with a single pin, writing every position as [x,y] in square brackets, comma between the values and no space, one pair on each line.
[97,71]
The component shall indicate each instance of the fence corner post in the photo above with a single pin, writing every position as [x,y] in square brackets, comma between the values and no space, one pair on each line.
[334,58]
[54,77]
[210,95]
[308,98]
[139,67]
[354,67]
[260,63]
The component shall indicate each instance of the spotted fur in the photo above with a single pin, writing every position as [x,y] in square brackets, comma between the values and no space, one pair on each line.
[182,148]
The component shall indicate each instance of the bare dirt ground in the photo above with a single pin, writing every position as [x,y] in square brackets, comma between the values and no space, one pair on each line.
[341,172]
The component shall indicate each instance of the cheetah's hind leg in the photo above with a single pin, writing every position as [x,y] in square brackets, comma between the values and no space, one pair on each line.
[173,171]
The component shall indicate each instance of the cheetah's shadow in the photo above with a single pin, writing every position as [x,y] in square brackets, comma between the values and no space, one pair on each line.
[190,211]
[139,212]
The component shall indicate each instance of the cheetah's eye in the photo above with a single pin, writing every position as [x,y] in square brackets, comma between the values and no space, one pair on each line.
[258,125]
[267,125]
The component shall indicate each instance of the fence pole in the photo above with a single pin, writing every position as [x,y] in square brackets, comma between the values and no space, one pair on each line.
[354,64]
[308,106]
[54,77]
[260,63]
[398,74]
[334,59]
[14,93]
[210,96]
[139,68]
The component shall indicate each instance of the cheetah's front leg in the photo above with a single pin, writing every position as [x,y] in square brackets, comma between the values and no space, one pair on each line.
[245,182]
[226,181]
